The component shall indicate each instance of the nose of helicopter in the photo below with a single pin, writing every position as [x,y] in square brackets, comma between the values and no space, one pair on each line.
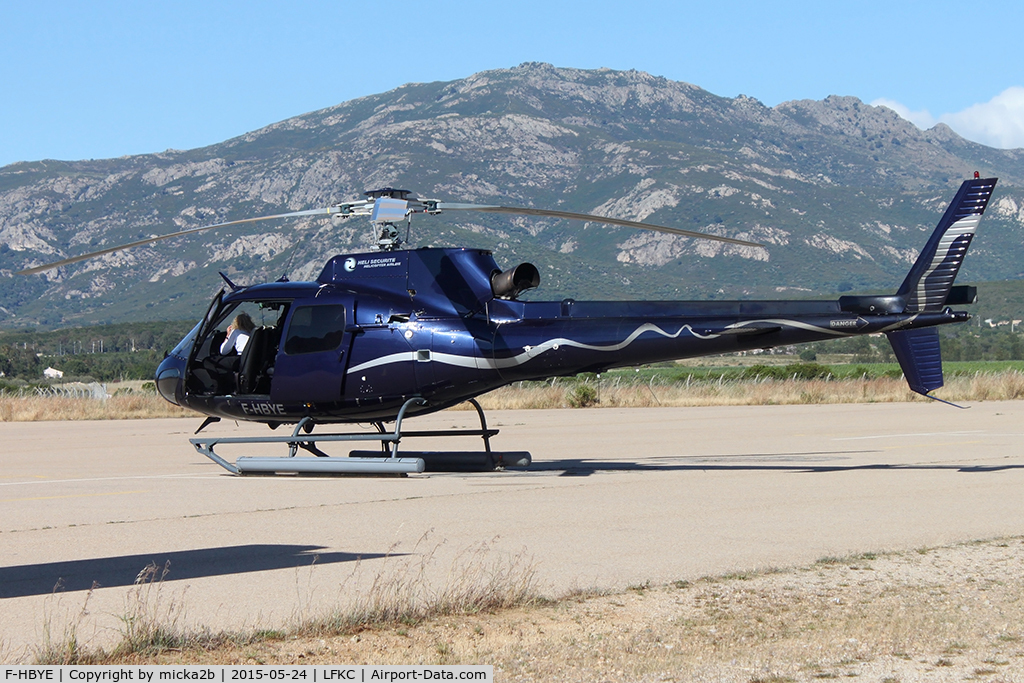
[169,376]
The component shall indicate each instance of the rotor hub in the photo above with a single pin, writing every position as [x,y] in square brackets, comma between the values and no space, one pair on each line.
[390,192]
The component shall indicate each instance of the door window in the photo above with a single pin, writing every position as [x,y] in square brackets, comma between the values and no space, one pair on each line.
[314,329]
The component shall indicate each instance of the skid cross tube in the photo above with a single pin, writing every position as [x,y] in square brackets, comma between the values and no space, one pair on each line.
[483,432]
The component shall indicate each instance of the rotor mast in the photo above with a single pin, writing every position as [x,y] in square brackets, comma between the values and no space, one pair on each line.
[391,207]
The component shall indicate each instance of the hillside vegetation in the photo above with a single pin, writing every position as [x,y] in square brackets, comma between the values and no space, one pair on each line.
[841,194]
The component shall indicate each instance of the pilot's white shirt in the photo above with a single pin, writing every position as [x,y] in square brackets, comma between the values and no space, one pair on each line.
[237,339]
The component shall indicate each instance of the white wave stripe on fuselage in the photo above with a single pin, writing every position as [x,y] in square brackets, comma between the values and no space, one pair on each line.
[792,323]
[531,352]
[965,226]
[900,325]
[528,353]
[402,357]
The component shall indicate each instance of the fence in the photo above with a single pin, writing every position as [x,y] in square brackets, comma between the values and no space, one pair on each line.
[95,391]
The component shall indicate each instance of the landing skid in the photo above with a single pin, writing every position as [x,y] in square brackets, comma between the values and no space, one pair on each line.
[364,462]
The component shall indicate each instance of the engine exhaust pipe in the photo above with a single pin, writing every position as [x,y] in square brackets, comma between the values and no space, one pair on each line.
[513,282]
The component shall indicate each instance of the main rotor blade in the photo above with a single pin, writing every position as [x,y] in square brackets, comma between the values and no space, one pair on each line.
[110,250]
[523,211]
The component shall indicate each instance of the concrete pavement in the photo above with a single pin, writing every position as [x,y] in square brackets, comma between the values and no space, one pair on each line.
[615,497]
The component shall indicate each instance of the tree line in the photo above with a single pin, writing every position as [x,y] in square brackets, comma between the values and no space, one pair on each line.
[958,343]
[103,353]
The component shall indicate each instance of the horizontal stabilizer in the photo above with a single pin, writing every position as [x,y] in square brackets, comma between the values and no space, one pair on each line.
[919,356]
[960,295]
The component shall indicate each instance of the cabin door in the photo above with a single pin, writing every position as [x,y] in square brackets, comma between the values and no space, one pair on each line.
[313,355]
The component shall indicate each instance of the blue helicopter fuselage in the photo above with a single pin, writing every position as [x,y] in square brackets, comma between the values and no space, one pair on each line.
[376,329]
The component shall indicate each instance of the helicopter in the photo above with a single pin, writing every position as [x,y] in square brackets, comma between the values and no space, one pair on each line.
[397,332]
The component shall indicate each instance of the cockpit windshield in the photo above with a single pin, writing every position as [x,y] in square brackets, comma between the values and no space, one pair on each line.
[182,349]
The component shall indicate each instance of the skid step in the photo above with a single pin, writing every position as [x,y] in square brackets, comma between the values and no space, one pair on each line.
[459,461]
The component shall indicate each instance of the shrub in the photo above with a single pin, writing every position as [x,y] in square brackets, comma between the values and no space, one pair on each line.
[781,372]
[808,370]
[581,396]
[764,372]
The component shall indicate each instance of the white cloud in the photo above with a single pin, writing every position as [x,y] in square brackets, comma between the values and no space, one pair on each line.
[922,119]
[996,123]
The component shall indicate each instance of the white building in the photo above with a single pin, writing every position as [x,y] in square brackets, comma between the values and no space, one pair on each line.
[52,373]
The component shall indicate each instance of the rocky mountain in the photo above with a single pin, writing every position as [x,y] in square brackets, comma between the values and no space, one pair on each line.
[842,195]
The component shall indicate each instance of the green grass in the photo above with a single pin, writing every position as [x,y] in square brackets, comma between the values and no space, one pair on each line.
[672,373]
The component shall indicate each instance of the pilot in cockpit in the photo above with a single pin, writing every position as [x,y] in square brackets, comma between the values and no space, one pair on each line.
[237,335]
[223,361]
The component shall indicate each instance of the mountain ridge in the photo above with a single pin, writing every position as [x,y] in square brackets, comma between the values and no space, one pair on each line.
[842,194]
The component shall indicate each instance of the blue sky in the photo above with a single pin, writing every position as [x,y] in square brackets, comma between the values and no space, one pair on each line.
[103,78]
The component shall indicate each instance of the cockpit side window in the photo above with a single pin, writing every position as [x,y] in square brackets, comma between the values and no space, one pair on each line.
[315,328]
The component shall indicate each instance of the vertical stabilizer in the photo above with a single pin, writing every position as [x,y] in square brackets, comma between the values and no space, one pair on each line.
[930,279]
[919,356]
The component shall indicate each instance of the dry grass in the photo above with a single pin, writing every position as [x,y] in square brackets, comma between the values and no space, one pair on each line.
[563,394]
[400,595]
[61,644]
[940,614]
[952,613]
[478,581]
[979,387]
[123,407]
[150,621]
[149,625]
